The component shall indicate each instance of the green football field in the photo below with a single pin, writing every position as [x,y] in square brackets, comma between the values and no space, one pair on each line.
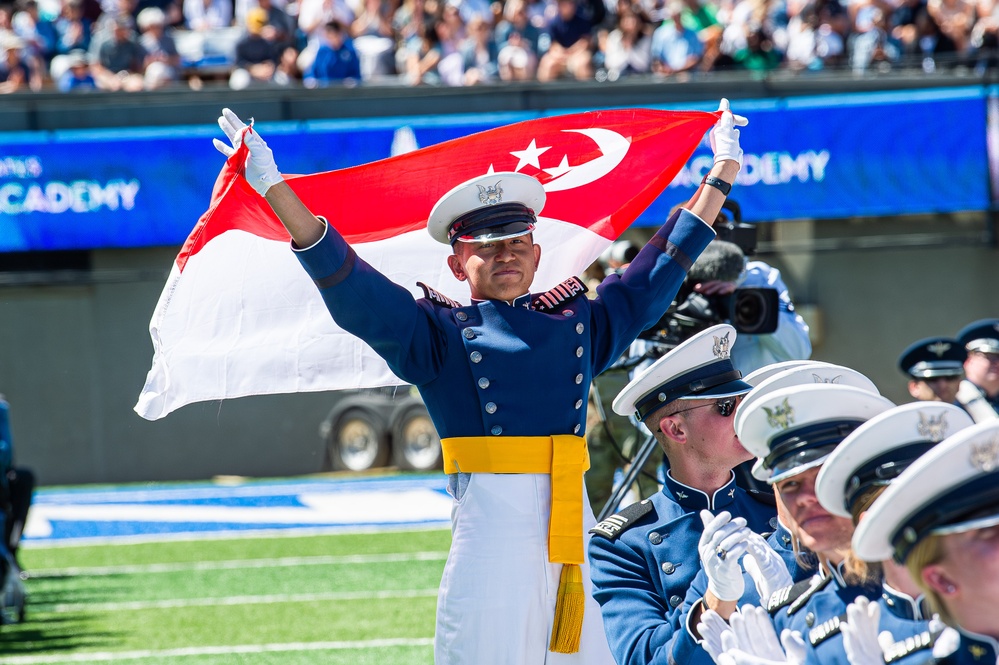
[282,600]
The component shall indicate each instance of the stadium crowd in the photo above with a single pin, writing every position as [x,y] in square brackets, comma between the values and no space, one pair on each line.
[80,45]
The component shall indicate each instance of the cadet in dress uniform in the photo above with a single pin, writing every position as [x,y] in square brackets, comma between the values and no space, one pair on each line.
[858,471]
[505,380]
[762,574]
[644,558]
[793,431]
[979,392]
[935,367]
[940,518]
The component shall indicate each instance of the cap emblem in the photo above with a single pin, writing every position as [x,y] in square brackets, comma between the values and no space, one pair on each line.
[938,348]
[491,195]
[932,429]
[720,348]
[985,456]
[781,416]
[819,379]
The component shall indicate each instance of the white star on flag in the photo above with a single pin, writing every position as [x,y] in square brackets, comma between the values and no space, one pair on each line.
[561,169]
[529,155]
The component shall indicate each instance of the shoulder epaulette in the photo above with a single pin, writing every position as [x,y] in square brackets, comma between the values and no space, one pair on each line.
[825,630]
[612,527]
[564,292]
[910,645]
[437,297]
[795,596]
[767,498]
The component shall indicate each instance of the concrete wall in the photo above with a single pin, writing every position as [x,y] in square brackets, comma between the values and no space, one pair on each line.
[74,352]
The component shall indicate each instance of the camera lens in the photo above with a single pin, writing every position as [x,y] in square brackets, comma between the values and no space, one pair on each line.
[752,312]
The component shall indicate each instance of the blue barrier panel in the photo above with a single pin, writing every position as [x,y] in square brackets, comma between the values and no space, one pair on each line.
[816,157]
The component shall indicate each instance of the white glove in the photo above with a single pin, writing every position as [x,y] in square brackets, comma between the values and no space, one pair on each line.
[861,641]
[721,545]
[765,566]
[711,627]
[724,136]
[261,171]
[753,641]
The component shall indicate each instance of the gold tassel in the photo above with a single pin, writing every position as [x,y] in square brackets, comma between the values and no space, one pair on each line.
[568,625]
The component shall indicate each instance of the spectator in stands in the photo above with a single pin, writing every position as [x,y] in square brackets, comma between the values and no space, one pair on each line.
[16,74]
[406,22]
[515,20]
[256,56]
[955,19]
[103,29]
[39,34]
[206,15]
[469,9]
[162,64]
[287,70]
[676,49]
[480,54]
[702,19]
[121,61]
[627,49]
[814,42]
[872,45]
[72,28]
[516,60]
[313,15]
[759,54]
[422,61]
[571,49]
[77,76]
[336,60]
[374,39]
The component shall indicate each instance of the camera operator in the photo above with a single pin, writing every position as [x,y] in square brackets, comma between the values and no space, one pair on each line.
[722,270]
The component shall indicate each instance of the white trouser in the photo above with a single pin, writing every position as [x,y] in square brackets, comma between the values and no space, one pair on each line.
[497,596]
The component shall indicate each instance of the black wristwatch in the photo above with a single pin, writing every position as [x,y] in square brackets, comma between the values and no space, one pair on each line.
[717,183]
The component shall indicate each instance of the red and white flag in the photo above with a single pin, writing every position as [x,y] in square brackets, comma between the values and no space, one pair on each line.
[239,316]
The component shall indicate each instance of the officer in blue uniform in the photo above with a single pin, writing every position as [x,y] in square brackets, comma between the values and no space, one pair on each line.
[505,380]
[940,518]
[793,431]
[644,558]
[979,392]
[935,367]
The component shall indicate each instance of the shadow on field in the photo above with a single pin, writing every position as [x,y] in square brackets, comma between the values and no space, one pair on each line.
[53,634]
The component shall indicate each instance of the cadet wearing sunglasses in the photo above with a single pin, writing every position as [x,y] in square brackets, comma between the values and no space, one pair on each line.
[646,556]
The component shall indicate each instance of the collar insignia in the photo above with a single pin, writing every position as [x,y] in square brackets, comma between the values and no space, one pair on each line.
[932,429]
[781,416]
[680,495]
[985,456]
[491,195]
[978,651]
[720,348]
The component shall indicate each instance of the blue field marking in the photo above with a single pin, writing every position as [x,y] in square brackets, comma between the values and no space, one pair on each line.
[156,512]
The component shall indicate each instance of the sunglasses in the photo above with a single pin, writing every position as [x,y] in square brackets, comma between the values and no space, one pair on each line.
[726,407]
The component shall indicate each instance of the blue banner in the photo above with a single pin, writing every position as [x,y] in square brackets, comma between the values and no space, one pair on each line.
[817,157]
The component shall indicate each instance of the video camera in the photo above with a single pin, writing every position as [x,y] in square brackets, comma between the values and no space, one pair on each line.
[750,310]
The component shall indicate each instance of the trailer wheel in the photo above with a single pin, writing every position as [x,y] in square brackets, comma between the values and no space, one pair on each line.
[359,442]
[415,444]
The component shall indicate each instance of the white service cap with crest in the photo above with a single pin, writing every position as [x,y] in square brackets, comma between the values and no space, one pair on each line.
[487,208]
[875,453]
[793,429]
[699,368]
[954,488]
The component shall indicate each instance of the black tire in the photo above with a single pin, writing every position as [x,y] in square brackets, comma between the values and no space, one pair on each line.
[415,443]
[359,442]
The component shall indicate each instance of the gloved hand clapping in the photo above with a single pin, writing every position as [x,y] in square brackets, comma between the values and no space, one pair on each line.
[261,170]
[722,543]
[711,627]
[861,641]
[765,566]
[724,136]
[752,640]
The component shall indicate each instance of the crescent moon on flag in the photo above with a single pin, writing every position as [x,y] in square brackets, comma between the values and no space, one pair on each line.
[614,148]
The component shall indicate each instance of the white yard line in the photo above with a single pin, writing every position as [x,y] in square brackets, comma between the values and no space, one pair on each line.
[108,656]
[322,560]
[60,608]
